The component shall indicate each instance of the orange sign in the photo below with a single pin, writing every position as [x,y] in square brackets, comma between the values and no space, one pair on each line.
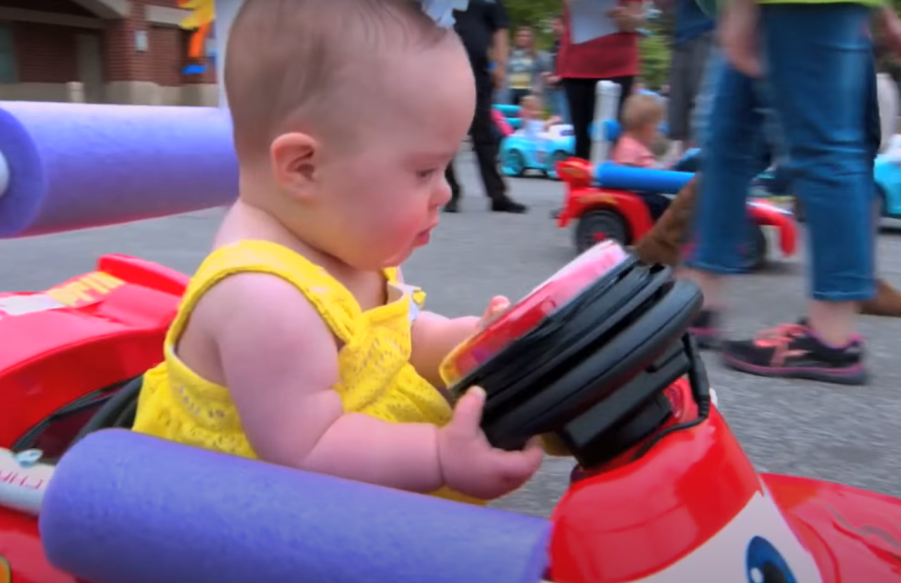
[6,574]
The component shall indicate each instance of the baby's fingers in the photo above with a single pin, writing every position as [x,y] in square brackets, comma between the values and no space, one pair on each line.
[495,307]
[468,413]
[519,466]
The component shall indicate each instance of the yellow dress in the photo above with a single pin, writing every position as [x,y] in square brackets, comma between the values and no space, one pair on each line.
[375,374]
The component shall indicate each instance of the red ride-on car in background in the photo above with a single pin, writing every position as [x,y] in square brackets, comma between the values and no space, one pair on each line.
[626,215]
[67,350]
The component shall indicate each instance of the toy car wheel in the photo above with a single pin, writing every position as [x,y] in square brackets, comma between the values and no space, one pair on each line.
[557,156]
[514,163]
[600,225]
[754,252]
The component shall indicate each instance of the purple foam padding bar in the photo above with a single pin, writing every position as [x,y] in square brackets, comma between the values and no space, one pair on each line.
[74,166]
[127,508]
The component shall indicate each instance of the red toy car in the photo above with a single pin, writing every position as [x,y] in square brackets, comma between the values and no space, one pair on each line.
[68,349]
[692,508]
[625,217]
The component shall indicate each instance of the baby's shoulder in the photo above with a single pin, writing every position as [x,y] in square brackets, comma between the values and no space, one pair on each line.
[257,300]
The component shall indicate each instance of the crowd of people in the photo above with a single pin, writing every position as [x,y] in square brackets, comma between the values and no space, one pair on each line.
[511,67]
[815,113]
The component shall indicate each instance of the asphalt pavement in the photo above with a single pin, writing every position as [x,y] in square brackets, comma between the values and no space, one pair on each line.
[842,434]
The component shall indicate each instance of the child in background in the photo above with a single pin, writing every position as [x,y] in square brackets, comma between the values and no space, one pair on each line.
[534,124]
[532,114]
[641,118]
[298,341]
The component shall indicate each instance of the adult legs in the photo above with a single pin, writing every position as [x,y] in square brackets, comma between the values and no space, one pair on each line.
[820,98]
[686,76]
[560,105]
[580,95]
[485,145]
[882,113]
[580,98]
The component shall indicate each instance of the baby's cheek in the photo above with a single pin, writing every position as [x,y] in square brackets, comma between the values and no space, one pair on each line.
[409,222]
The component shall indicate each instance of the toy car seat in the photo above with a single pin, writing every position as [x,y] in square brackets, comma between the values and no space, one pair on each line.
[113,406]
[118,412]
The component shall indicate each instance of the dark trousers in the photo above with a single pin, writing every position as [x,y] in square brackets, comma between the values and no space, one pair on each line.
[485,143]
[580,94]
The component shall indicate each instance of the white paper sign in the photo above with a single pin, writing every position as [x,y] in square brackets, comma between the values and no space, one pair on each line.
[588,20]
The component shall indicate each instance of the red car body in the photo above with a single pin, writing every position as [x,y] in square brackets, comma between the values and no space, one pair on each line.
[582,196]
[91,332]
[105,327]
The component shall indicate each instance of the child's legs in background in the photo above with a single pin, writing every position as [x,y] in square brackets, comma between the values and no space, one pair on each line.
[819,56]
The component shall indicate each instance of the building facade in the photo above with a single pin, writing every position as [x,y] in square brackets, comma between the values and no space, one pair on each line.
[98,51]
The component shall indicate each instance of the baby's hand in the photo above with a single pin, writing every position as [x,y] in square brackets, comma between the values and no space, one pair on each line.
[470,465]
[495,308]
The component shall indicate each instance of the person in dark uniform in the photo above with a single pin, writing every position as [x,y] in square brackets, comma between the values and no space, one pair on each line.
[482,28]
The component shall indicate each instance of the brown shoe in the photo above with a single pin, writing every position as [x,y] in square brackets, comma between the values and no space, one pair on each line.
[663,243]
[887,301]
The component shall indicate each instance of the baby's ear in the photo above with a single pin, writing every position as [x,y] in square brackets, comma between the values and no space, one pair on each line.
[294,158]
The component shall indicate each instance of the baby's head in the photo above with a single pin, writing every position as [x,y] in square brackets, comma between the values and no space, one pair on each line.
[530,107]
[641,117]
[346,113]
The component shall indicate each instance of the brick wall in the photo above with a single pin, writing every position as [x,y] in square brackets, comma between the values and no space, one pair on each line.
[58,6]
[165,58]
[48,53]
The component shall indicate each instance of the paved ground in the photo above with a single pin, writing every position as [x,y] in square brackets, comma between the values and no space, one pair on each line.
[850,435]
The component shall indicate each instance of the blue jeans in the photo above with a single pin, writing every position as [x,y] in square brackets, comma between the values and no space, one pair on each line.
[818,67]
[767,139]
[556,101]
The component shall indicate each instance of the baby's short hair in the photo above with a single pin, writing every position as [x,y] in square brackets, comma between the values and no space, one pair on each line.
[641,110]
[289,62]
[531,101]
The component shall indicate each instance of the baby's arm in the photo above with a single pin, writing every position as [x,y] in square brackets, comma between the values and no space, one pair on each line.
[553,120]
[280,363]
[433,337]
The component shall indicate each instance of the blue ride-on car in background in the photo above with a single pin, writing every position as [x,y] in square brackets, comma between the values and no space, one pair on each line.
[887,172]
[521,153]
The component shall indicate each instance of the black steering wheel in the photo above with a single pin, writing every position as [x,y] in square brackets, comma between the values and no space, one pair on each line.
[594,372]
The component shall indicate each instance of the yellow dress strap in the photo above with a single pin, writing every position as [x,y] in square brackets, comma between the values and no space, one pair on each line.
[337,306]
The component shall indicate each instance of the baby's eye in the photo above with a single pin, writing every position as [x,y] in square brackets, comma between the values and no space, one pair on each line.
[426,174]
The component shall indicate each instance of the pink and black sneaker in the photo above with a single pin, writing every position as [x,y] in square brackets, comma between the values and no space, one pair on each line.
[705,329]
[795,351]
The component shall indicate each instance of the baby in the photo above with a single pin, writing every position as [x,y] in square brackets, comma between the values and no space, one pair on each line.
[534,124]
[641,117]
[532,114]
[298,341]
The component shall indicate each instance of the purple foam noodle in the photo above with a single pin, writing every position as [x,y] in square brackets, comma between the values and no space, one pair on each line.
[127,508]
[76,166]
